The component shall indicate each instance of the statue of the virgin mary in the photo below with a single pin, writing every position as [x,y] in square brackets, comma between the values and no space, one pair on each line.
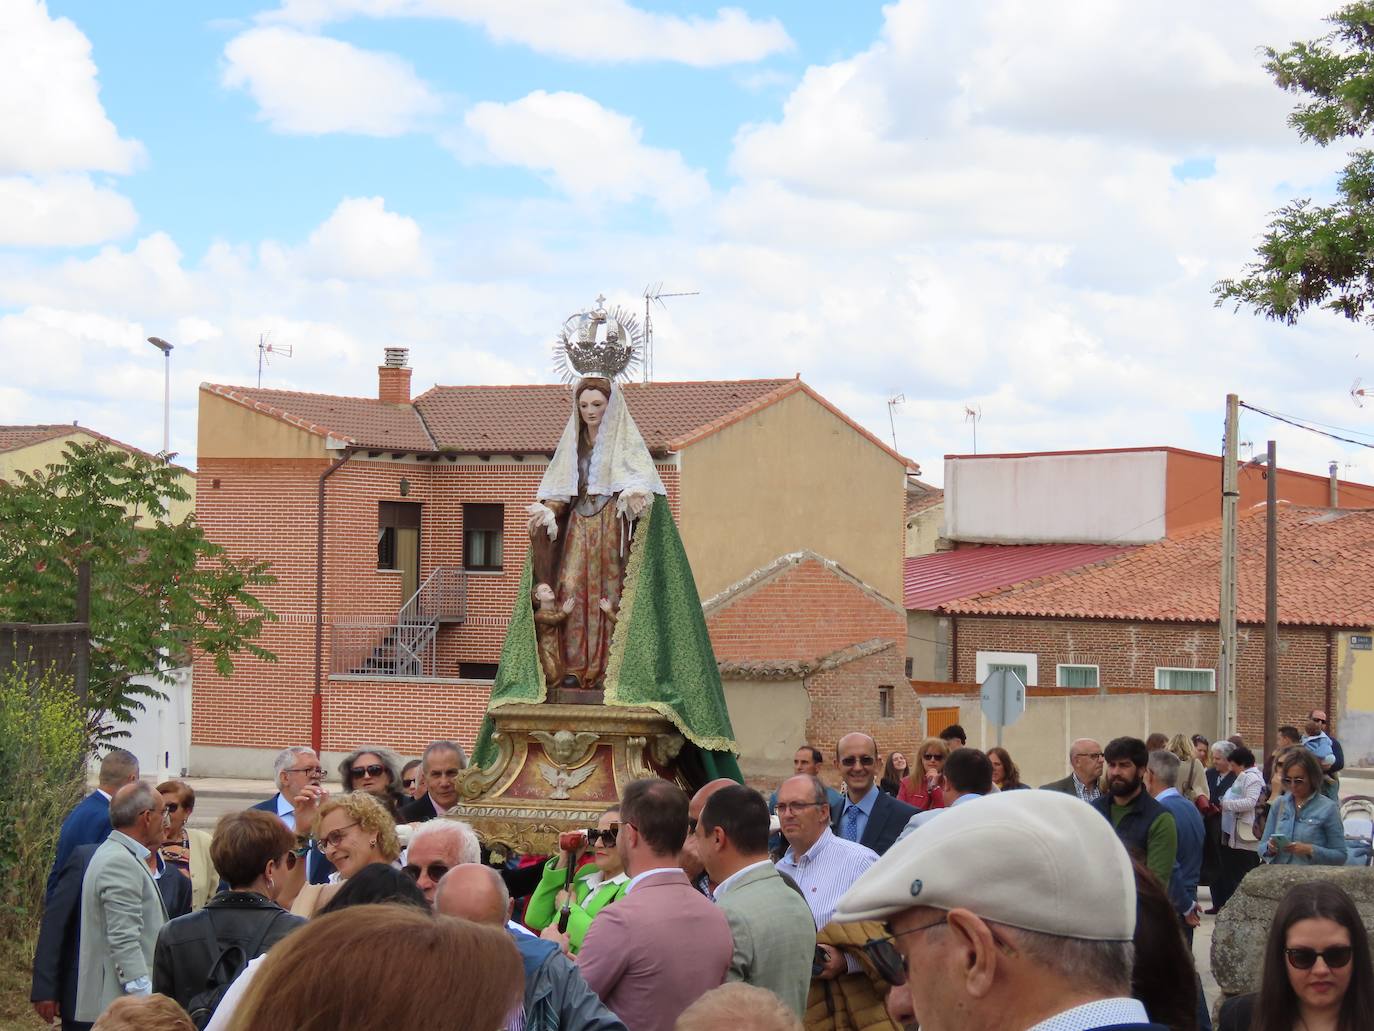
[607,602]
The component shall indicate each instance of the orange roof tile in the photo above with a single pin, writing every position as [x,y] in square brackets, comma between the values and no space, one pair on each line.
[364,421]
[1326,576]
[12,437]
[531,418]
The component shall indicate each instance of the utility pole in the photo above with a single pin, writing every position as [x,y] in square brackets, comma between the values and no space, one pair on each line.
[1335,490]
[166,350]
[1271,605]
[1230,495]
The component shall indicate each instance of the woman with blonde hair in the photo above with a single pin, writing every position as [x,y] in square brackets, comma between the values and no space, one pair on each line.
[386,968]
[921,787]
[353,831]
[1192,774]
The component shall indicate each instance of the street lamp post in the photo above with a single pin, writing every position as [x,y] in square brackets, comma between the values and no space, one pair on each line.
[166,350]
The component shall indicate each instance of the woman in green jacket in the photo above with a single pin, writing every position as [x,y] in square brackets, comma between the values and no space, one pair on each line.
[595,886]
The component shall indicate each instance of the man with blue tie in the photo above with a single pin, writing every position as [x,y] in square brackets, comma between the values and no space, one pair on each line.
[89,822]
[869,817]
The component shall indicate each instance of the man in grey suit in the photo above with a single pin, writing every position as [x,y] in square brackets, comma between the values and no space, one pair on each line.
[121,907]
[774,935]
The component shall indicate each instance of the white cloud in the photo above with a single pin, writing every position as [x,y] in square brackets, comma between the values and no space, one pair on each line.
[310,85]
[51,118]
[362,240]
[587,151]
[63,211]
[594,31]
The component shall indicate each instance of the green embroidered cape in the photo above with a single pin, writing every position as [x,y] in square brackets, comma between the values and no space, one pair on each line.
[661,655]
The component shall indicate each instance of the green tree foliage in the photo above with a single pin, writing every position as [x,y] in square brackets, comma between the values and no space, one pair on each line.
[43,747]
[158,589]
[1314,254]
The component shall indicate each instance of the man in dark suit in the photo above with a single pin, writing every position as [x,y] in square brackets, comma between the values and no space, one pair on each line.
[869,816]
[1085,773]
[89,821]
[297,769]
[442,762]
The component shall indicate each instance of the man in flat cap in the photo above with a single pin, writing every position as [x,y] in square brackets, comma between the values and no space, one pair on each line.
[1015,914]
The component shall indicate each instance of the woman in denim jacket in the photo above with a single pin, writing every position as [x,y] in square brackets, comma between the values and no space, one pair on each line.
[1309,822]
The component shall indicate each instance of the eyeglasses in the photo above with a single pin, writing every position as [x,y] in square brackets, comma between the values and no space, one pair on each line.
[786,808]
[609,834]
[371,770]
[434,871]
[333,839]
[1335,957]
[857,760]
[407,782]
[310,771]
[887,960]
[934,757]
[1288,782]
[173,806]
[1088,755]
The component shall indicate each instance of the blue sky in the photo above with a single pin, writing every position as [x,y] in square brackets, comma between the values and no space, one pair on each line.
[1017,207]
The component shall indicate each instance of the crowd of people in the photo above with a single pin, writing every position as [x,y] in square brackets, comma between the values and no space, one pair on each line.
[933,891]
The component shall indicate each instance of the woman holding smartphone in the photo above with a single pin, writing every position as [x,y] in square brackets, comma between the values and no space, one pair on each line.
[1304,826]
[595,886]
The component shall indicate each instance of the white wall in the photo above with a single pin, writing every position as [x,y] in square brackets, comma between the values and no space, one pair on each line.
[161,735]
[1057,499]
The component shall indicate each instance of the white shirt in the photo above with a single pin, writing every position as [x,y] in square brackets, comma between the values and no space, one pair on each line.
[724,885]
[649,873]
[1101,1013]
[826,871]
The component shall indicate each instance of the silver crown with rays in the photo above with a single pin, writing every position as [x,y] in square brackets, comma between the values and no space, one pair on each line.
[599,342]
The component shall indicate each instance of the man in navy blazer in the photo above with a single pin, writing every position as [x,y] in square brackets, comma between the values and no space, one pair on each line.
[870,817]
[293,769]
[89,821]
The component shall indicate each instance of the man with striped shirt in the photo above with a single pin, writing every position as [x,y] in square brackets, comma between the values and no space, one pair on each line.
[822,864]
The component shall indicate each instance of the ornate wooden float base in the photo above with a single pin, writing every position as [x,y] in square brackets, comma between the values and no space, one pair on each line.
[559,768]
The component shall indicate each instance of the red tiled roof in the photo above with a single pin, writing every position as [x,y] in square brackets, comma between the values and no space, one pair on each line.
[531,418]
[358,420]
[929,581]
[12,437]
[1326,576]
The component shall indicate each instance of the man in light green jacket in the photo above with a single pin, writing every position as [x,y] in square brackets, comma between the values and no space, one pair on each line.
[774,933]
[121,908]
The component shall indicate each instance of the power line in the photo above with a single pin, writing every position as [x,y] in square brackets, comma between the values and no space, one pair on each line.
[1304,426]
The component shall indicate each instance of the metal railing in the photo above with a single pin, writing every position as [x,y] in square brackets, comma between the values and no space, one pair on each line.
[403,647]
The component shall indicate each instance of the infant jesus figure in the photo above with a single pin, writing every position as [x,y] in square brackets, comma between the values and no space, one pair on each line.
[548,622]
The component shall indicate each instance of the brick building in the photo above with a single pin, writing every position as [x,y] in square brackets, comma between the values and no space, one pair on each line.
[397,531]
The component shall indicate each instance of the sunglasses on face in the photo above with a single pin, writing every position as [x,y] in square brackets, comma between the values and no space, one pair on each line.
[289,860]
[1335,957]
[609,835]
[172,807]
[333,839]
[934,757]
[889,963]
[408,782]
[434,871]
[1288,782]
[857,760]
[371,770]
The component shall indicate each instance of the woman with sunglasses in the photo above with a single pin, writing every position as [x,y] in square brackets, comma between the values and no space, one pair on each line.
[184,847]
[1304,826]
[353,831]
[1317,972]
[595,886]
[921,787]
[375,770]
[253,851]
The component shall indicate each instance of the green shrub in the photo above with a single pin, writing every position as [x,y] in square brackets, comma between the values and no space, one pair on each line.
[43,751]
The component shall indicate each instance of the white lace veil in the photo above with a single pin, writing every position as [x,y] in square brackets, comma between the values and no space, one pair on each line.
[620,460]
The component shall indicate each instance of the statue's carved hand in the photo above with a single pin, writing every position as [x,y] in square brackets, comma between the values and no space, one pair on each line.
[635,501]
[541,516]
[569,604]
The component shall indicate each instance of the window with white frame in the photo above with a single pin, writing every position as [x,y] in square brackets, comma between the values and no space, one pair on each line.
[1024,664]
[1075,674]
[1178,678]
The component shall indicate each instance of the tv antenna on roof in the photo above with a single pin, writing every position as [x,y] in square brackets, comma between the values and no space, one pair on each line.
[266,350]
[892,403]
[972,413]
[654,292]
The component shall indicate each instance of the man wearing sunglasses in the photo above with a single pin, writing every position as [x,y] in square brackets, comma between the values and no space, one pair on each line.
[984,946]
[1318,716]
[436,848]
[869,816]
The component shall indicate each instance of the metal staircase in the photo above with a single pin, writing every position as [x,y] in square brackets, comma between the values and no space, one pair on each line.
[404,647]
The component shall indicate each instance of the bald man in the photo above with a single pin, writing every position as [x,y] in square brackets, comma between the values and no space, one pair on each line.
[1085,773]
[556,994]
[869,817]
[688,858]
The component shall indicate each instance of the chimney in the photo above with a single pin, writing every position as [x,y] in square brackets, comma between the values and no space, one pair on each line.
[393,378]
